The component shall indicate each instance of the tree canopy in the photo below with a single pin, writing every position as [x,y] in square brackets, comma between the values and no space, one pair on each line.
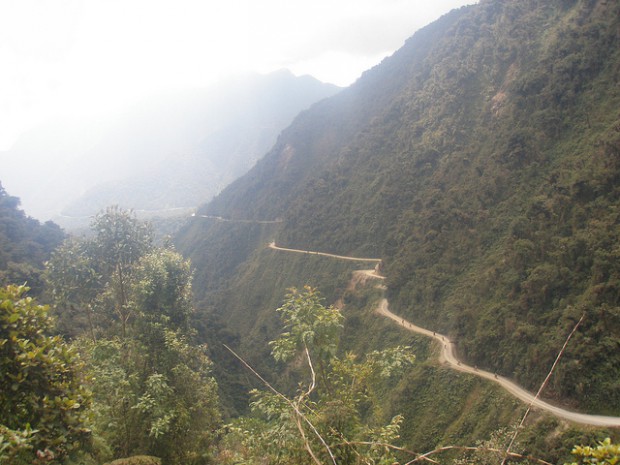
[25,244]
[44,404]
[327,419]
[128,303]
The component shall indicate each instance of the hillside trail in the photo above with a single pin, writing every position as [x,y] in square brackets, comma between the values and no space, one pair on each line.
[448,351]
[272,245]
[229,220]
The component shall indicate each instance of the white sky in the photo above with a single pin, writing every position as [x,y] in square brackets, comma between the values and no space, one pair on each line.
[70,57]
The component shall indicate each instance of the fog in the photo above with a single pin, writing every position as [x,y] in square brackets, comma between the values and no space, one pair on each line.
[71,68]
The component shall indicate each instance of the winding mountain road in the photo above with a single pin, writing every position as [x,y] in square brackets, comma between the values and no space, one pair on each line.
[448,354]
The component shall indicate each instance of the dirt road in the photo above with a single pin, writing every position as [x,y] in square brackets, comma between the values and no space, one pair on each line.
[448,355]
[227,220]
[273,245]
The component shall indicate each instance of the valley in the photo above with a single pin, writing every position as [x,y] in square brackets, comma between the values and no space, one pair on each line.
[495,219]
[427,259]
[448,354]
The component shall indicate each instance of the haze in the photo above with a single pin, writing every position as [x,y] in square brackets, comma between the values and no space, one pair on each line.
[81,77]
[70,57]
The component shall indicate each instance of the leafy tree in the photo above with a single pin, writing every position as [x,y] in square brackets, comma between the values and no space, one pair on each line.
[324,421]
[175,397]
[43,403]
[74,285]
[120,241]
[160,401]
[153,392]
[93,276]
[309,326]
[161,289]
[25,244]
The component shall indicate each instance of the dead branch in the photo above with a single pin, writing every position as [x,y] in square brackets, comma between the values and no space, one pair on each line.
[477,449]
[542,386]
[388,446]
[305,440]
[313,384]
[291,404]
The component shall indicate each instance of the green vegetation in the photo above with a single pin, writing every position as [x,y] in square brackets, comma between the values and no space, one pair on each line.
[43,403]
[128,303]
[153,400]
[605,453]
[25,244]
[328,419]
[480,162]
[136,460]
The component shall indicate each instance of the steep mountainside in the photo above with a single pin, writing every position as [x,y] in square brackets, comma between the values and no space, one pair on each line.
[481,162]
[25,244]
[177,150]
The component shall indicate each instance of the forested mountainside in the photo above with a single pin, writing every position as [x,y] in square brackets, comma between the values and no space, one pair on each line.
[25,244]
[481,162]
[175,150]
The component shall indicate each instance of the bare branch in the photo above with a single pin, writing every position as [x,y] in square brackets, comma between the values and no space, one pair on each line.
[305,439]
[477,449]
[287,400]
[388,446]
[313,384]
[542,386]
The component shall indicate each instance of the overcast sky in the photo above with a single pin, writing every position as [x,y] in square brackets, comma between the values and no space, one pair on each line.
[69,57]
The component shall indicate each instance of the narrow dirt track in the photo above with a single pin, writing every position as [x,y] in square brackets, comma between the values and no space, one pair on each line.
[273,246]
[227,220]
[448,355]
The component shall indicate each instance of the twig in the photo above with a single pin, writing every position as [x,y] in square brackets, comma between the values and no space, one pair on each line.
[300,427]
[476,449]
[289,402]
[299,417]
[542,386]
[388,446]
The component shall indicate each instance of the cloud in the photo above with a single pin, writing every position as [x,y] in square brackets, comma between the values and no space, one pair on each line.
[72,56]
[363,27]
[337,40]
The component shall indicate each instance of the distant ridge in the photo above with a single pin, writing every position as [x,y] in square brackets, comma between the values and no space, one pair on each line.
[176,150]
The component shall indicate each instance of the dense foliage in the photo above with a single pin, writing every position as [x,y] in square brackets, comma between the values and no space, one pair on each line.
[129,304]
[327,419]
[604,453]
[480,162]
[43,402]
[25,244]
